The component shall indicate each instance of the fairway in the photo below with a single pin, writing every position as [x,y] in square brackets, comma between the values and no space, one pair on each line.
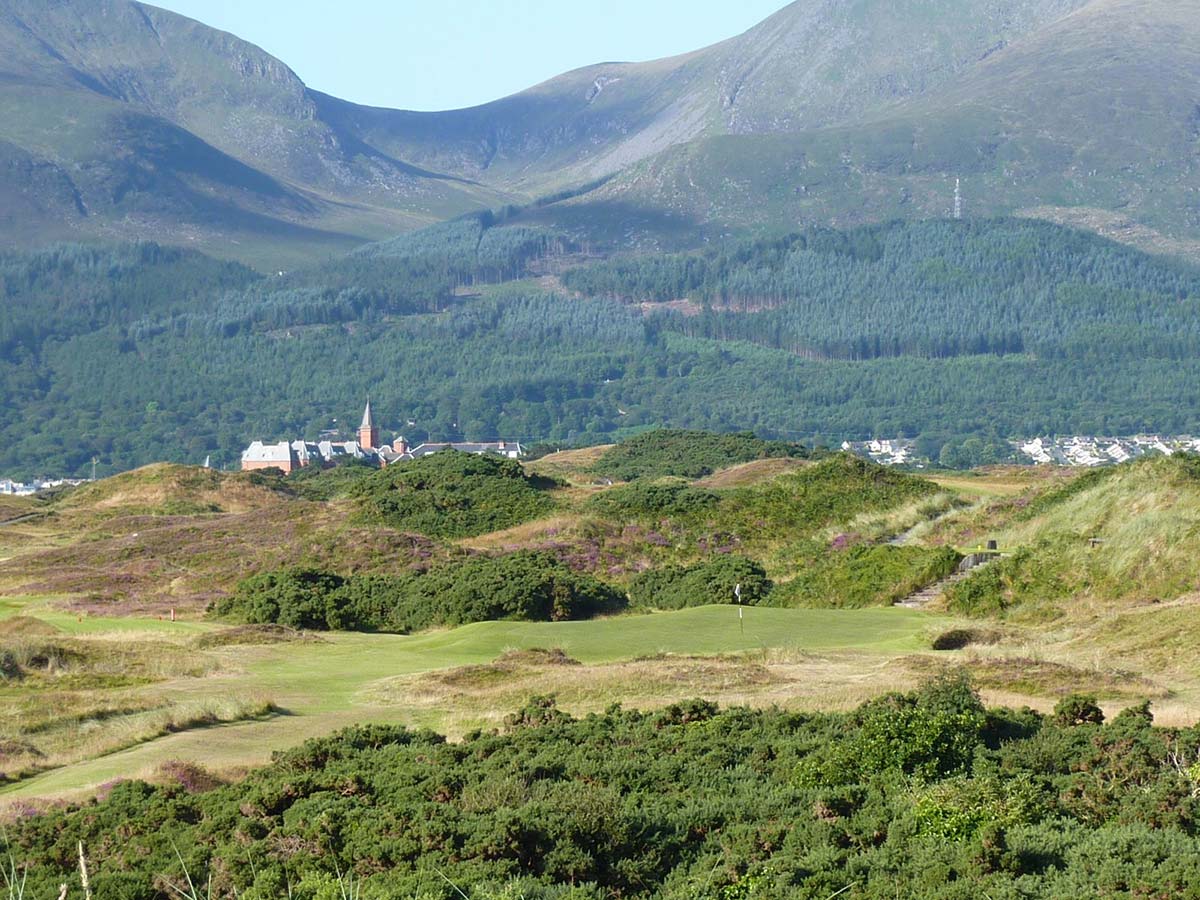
[328,685]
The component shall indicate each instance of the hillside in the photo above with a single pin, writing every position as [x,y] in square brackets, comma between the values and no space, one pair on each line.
[125,121]
[1111,552]
[1119,72]
[809,66]
[458,333]
[122,120]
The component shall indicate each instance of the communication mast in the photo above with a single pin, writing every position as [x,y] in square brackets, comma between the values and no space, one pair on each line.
[957,198]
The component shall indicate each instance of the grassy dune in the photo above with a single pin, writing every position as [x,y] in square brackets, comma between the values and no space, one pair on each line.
[1091,547]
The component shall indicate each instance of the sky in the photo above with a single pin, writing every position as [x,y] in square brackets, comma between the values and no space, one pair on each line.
[446,54]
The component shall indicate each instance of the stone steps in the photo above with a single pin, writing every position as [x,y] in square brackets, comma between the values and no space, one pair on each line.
[927,595]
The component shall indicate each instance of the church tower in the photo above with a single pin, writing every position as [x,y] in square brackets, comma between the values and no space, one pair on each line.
[368,434]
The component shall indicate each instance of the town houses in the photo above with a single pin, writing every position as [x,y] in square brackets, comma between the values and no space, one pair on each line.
[368,448]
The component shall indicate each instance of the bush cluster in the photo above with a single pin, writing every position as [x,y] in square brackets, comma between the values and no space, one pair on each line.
[655,500]
[527,586]
[687,454]
[452,495]
[709,582]
[923,795]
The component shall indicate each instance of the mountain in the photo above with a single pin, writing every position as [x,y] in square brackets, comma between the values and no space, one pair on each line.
[121,120]
[1091,120]
[814,64]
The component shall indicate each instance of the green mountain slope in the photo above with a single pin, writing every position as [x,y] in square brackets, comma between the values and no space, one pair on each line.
[1091,119]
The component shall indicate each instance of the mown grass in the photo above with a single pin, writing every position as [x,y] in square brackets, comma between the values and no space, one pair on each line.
[328,685]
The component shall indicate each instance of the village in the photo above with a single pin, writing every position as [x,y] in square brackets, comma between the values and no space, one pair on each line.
[288,456]
[1080,451]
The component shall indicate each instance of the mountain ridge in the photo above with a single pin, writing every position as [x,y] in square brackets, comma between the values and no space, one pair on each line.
[125,121]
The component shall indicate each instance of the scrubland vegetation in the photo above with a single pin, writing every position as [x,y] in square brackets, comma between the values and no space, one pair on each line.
[422,598]
[926,794]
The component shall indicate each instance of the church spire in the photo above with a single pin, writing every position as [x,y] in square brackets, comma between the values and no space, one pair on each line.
[368,434]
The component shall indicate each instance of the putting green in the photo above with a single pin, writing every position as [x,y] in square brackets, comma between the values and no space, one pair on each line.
[319,684]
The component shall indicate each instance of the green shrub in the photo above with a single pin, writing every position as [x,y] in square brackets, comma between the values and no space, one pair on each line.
[931,734]
[527,586]
[655,500]
[317,483]
[905,796]
[1078,709]
[452,495]
[687,454]
[296,598]
[804,502]
[709,582]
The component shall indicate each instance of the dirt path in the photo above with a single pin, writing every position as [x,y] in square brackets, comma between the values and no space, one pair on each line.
[24,518]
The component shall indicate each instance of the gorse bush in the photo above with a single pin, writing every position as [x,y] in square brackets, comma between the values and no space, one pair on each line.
[687,454]
[452,494]
[655,500]
[527,586]
[923,795]
[708,582]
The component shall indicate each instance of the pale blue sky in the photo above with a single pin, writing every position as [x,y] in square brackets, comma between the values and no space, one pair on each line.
[414,54]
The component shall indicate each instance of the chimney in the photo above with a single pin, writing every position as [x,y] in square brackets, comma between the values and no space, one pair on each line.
[400,445]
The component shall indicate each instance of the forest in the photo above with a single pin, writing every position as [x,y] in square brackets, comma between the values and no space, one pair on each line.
[924,794]
[944,330]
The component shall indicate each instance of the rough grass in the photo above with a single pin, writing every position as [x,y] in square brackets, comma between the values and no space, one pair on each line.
[168,489]
[254,635]
[1100,542]
[751,473]
[15,507]
[65,699]
[1041,678]
[149,565]
[78,727]
[571,466]
[478,696]
[25,626]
